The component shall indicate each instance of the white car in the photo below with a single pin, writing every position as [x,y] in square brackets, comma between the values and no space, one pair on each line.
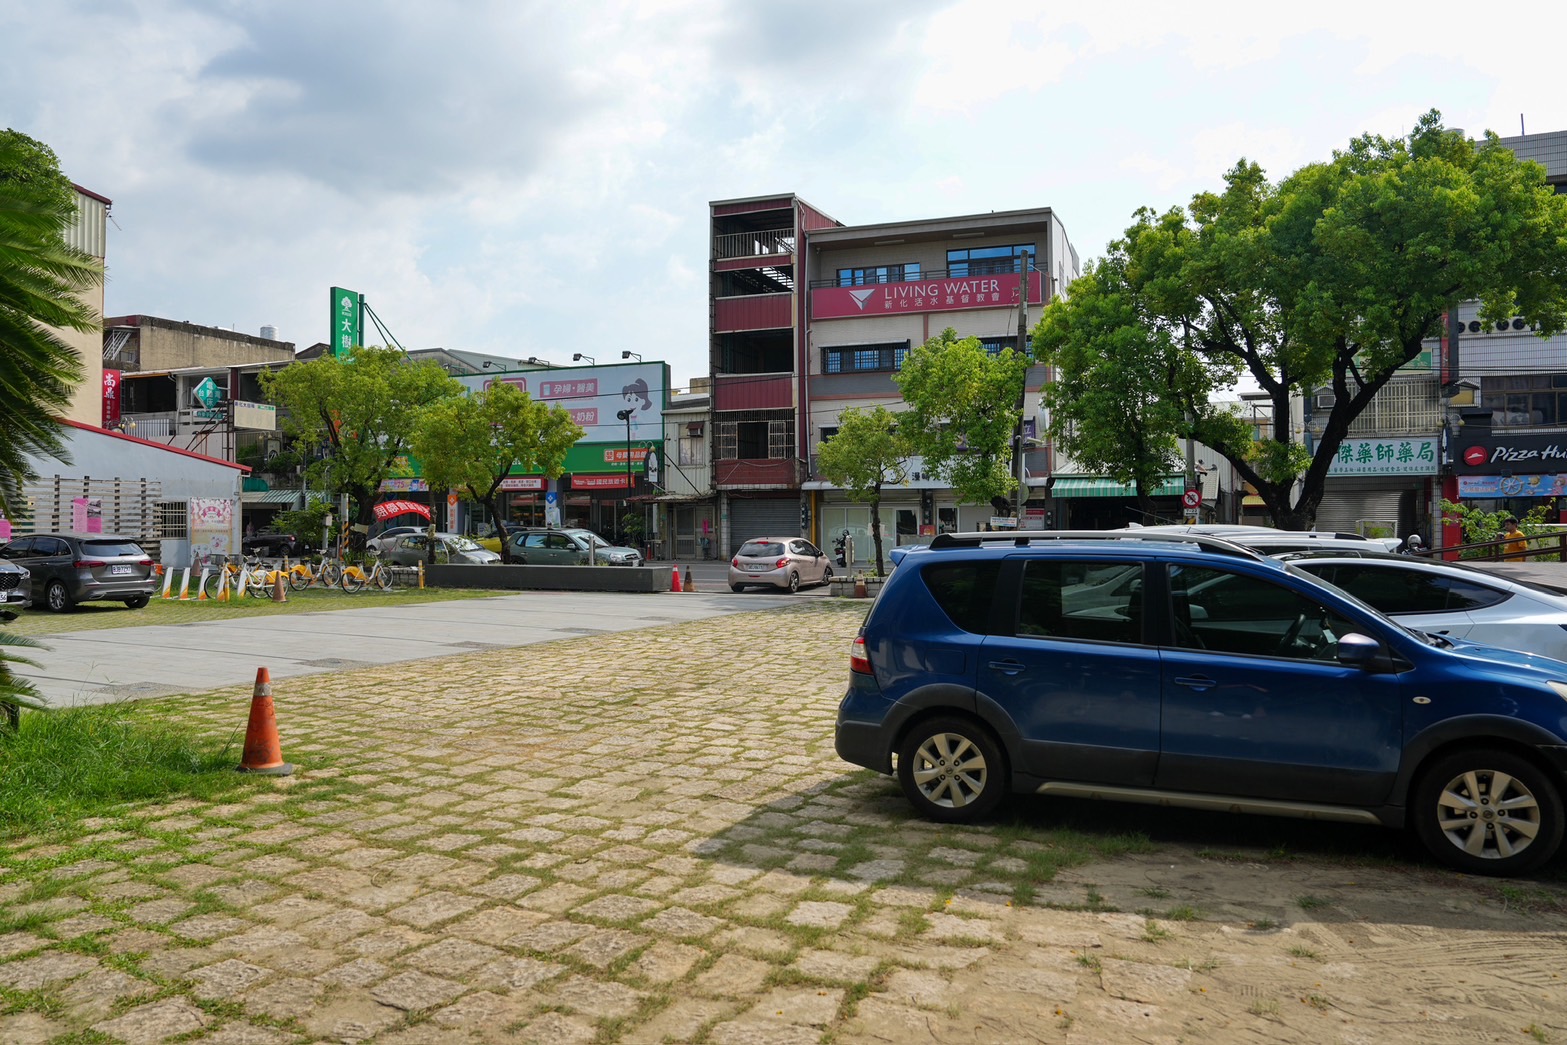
[1450,599]
[386,540]
[1269,541]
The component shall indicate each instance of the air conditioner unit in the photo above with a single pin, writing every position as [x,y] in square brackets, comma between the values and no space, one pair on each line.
[1324,400]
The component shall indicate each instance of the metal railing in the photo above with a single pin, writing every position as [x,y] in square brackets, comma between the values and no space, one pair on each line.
[985,267]
[1550,547]
[756,244]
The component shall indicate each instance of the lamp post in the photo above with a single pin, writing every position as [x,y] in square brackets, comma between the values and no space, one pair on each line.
[625,415]
[627,354]
[578,357]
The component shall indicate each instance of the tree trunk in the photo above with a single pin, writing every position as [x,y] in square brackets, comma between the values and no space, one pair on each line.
[876,529]
[494,503]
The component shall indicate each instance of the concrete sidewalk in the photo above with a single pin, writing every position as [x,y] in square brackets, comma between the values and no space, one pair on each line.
[100,666]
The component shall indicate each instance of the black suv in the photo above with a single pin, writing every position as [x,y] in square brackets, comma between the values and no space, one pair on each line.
[1185,670]
[270,544]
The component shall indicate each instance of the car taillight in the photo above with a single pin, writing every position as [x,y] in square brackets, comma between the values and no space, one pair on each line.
[88,564]
[146,562]
[858,661]
[781,564]
[735,562]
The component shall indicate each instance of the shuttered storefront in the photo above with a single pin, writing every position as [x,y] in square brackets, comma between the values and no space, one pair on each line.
[1354,505]
[762,517]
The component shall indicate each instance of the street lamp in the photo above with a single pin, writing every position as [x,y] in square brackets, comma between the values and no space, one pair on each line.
[625,415]
[578,357]
[536,361]
[627,354]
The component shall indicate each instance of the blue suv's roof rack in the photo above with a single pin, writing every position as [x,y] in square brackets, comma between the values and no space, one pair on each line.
[1024,538]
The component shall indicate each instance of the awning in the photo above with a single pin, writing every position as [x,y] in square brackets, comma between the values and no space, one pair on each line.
[283,497]
[1251,500]
[1099,486]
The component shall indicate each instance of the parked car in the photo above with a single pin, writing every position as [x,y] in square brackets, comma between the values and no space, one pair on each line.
[14,581]
[490,537]
[545,547]
[778,562]
[1226,681]
[410,549]
[273,545]
[383,541]
[68,568]
[1450,598]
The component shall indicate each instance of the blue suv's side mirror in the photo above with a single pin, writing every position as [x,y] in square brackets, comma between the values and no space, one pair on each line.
[1358,651]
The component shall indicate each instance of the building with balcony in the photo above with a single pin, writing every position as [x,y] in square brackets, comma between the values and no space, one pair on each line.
[809,316]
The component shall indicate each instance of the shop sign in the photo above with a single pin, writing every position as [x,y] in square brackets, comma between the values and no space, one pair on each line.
[1512,485]
[1410,455]
[598,482]
[526,482]
[403,486]
[926,295]
[111,397]
[1510,453]
[347,322]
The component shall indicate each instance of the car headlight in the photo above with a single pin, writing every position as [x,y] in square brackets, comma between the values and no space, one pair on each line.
[1560,688]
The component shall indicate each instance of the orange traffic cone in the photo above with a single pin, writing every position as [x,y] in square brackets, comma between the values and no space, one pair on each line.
[279,589]
[675,581]
[263,751]
[690,586]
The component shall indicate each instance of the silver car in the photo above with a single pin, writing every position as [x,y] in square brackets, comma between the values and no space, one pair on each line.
[785,563]
[14,580]
[569,547]
[411,549]
[1450,599]
[1269,541]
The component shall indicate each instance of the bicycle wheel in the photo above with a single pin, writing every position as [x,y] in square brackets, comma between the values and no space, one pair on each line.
[254,583]
[353,579]
[331,573]
[300,577]
[212,584]
[382,578]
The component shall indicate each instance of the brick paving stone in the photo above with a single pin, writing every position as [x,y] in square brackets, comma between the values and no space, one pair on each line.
[285,999]
[761,942]
[378,897]
[158,912]
[834,967]
[681,922]
[30,1028]
[819,914]
[352,1017]
[195,876]
[429,908]
[482,1013]
[665,962]
[705,895]
[680,1021]
[19,943]
[92,998]
[556,899]
[361,972]
[603,947]
[247,1034]
[601,999]
[494,925]
[155,1022]
[292,910]
[515,973]
[226,978]
[244,894]
[41,970]
[412,991]
[952,927]
[81,925]
[732,976]
[128,890]
[341,924]
[616,908]
[383,943]
[451,957]
[554,1028]
[549,936]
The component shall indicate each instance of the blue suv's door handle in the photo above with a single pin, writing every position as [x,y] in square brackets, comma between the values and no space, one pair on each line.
[1007,667]
[1197,682]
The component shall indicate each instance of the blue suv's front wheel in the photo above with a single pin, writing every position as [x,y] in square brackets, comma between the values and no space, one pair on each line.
[1488,811]
[952,769]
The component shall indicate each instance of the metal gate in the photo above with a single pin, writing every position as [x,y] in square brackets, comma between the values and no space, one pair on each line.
[1380,505]
[762,517]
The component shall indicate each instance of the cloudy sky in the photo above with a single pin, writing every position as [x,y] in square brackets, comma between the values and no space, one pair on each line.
[532,179]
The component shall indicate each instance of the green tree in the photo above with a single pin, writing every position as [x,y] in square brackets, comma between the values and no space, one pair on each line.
[963,413]
[864,455]
[40,280]
[360,411]
[1336,277]
[1479,526]
[474,442]
[1111,407]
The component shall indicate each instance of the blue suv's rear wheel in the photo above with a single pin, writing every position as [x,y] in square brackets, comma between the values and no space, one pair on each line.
[1488,811]
[951,769]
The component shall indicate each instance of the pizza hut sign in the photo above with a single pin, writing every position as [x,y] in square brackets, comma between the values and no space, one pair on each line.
[1524,453]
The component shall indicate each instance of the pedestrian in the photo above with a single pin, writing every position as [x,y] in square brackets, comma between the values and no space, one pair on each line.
[1517,544]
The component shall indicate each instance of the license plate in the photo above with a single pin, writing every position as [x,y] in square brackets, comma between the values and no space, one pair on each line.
[121,571]
[756,567]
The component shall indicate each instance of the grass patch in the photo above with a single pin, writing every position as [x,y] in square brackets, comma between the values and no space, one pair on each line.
[64,765]
[1311,903]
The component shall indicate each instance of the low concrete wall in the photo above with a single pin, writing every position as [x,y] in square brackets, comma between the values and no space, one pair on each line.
[550,578]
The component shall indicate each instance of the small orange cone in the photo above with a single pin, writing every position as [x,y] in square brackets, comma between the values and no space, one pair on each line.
[279,589]
[263,750]
[675,582]
[690,586]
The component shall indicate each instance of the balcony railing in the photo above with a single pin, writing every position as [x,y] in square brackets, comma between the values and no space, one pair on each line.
[983,267]
[762,243]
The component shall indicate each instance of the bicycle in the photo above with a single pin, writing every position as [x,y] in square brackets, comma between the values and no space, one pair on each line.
[243,577]
[328,573]
[356,579]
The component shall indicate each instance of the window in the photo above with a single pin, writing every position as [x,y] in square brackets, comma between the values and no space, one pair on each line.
[692,450]
[845,359]
[1230,613]
[858,277]
[987,261]
[1100,602]
[963,591]
[994,345]
[174,519]
[1397,590]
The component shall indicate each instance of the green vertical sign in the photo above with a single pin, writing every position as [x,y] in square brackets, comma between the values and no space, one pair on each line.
[347,321]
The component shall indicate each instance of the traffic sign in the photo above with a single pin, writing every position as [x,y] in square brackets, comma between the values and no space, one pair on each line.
[1191,498]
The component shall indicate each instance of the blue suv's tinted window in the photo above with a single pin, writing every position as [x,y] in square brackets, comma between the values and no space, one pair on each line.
[1233,613]
[1081,600]
[964,591]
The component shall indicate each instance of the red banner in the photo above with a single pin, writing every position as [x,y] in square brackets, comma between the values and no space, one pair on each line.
[392,509]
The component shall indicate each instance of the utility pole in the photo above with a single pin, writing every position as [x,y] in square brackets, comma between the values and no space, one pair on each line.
[1022,392]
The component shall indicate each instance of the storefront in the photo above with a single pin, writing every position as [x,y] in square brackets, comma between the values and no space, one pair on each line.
[1514,473]
[1381,486]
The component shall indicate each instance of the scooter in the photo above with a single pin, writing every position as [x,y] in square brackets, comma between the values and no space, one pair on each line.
[840,548]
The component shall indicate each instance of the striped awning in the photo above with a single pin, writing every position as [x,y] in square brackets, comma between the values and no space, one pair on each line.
[1099,486]
[284,497]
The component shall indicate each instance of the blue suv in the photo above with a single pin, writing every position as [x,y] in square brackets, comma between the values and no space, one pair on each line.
[1185,670]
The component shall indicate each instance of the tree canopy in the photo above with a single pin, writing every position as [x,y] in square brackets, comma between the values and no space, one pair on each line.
[1334,276]
[40,278]
[865,454]
[963,412]
[359,413]
[474,442]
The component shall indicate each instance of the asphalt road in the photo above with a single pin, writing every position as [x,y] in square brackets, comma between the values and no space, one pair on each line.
[94,667]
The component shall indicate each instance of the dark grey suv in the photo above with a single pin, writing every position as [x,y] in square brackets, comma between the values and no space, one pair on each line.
[67,568]
[1185,670]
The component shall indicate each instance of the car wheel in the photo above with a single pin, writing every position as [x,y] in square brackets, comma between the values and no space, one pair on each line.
[794,582]
[136,602]
[58,599]
[1488,812]
[737,587]
[952,770]
[826,576]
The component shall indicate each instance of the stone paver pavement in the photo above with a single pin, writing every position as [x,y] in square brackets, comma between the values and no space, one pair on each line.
[647,837]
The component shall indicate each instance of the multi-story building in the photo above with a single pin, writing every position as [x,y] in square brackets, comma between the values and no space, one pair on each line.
[809,316]
[89,234]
